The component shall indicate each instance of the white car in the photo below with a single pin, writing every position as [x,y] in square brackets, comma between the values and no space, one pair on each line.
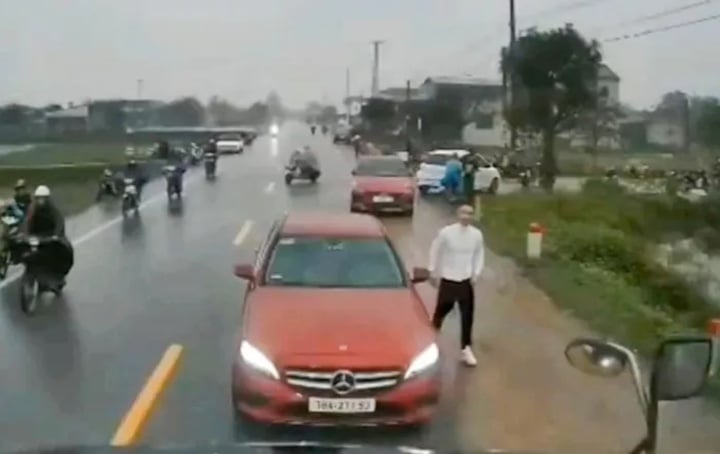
[432,171]
[230,143]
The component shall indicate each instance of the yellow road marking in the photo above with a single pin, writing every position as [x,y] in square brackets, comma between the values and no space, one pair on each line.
[133,425]
[243,233]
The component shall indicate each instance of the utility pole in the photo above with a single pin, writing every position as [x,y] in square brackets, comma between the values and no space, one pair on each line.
[376,67]
[408,145]
[347,95]
[513,79]
[139,88]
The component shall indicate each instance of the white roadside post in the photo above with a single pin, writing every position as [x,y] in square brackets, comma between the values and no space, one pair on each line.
[534,241]
[713,329]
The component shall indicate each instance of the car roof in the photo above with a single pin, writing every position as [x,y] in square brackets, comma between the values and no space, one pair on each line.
[449,152]
[389,157]
[332,225]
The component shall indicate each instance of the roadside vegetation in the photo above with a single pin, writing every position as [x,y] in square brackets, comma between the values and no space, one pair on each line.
[65,153]
[600,257]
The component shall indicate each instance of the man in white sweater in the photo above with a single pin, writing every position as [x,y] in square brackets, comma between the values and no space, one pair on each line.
[457,257]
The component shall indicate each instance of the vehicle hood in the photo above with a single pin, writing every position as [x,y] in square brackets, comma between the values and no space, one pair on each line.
[300,447]
[295,323]
[383,184]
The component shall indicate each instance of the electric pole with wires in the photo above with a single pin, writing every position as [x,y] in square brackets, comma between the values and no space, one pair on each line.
[512,78]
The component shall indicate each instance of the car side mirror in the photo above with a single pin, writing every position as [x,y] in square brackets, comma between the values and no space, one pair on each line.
[420,275]
[245,271]
[595,357]
[681,368]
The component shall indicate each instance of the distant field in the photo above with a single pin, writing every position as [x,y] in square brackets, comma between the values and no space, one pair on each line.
[65,153]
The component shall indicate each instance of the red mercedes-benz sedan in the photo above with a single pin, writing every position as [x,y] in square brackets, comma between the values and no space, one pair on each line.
[382,184]
[333,331]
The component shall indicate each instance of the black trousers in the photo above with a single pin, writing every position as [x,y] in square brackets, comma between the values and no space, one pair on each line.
[461,292]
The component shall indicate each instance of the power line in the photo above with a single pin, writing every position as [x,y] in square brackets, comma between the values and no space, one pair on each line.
[656,15]
[652,31]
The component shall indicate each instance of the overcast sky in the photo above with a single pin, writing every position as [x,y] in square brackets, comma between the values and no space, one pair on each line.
[62,50]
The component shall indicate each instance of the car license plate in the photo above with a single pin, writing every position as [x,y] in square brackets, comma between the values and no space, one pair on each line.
[383,199]
[322,405]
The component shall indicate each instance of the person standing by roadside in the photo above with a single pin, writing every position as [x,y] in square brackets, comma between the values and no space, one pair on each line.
[457,258]
[470,167]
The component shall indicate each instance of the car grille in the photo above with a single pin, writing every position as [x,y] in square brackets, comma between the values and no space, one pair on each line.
[365,381]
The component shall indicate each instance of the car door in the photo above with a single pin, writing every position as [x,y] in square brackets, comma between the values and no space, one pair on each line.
[484,175]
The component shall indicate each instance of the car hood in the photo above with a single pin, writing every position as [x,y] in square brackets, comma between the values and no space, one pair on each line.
[290,324]
[270,447]
[383,184]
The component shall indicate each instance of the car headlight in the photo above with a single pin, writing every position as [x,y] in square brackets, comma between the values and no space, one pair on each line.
[257,360]
[424,361]
[274,129]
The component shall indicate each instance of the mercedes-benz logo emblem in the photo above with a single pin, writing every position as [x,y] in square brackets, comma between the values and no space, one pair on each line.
[342,382]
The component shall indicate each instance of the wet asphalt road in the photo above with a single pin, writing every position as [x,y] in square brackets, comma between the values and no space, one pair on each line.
[70,373]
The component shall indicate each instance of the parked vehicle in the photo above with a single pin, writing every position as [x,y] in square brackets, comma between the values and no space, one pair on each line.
[432,171]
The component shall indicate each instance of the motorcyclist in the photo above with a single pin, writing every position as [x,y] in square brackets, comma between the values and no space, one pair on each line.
[312,129]
[357,142]
[134,172]
[22,196]
[453,175]
[44,219]
[296,158]
[107,184]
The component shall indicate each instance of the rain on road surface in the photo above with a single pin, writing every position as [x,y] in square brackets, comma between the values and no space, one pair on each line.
[70,373]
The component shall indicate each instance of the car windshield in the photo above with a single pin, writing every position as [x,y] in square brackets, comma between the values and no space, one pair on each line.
[381,168]
[334,262]
[229,137]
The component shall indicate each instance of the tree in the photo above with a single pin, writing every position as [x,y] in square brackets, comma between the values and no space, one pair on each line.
[222,113]
[182,112]
[707,125]
[14,114]
[556,72]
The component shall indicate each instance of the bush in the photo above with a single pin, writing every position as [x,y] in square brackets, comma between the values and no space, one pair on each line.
[599,256]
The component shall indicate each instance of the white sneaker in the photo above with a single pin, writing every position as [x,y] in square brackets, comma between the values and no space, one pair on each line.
[468,357]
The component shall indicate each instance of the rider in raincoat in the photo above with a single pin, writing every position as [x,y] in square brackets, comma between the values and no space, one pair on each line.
[453,175]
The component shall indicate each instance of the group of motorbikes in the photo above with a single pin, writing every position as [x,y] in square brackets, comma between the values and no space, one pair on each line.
[128,183]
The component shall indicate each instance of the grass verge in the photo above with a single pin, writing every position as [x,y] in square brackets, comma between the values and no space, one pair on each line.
[65,153]
[599,261]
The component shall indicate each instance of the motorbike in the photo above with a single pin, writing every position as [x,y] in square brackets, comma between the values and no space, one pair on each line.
[312,130]
[324,130]
[300,172]
[37,279]
[173,177]
[681,368]
[10,226]
[195,154]
[525,178]
[210,166]
[129,197]
[106,187]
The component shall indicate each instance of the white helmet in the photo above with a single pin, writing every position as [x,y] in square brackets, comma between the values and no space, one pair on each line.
[42,191]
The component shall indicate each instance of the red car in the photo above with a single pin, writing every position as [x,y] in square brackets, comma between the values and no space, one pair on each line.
[382,184]
[333,331]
